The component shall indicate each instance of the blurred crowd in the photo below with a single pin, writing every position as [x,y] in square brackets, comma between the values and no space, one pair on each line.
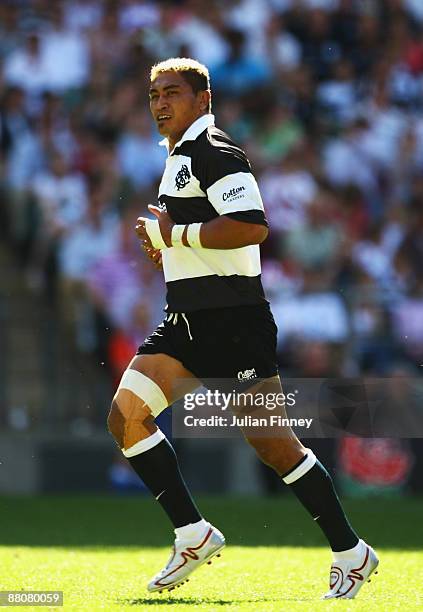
[326,97]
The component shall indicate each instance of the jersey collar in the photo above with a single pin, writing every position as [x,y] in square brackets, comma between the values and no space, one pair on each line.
[194,130]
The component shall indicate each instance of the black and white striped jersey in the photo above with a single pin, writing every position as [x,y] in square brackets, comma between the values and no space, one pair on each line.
[207,175]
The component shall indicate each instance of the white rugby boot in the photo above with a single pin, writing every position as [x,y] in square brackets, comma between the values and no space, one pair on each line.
[348,575]
[187,556]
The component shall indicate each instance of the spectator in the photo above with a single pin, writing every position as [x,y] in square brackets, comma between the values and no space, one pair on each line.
[26,67]
[317,313]
[276,134]
[320,50]
[338,97]
[408,323]
[161,39]
[73,69]
[79,251]
[82,15]
[121,281]
[287,191]
[203,37]
[281,46]
[317,242]
[240,73]
[139,157]
[62,204]
[90,240]
[61,194]
[102,52]
[347,161]
[252,18]
[135,15]
[411,247]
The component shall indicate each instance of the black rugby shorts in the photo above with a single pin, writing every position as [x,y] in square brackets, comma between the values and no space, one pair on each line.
[230,344]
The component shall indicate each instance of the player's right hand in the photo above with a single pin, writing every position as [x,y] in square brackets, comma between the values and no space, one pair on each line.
[154,254]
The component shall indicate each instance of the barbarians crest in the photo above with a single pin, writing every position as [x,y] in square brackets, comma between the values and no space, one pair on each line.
[182,178]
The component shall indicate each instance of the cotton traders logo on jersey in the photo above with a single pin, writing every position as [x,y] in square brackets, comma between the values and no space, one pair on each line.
[230,195]
[247,375]
[182,178]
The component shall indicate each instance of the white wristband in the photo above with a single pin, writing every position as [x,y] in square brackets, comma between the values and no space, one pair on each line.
[153,231]
[193,235]
[177,231]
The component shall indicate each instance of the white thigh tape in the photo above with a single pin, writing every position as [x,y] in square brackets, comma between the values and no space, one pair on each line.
[152,228]
[302,469]
[177,231]
[146,389]
[193,235]
[144,445]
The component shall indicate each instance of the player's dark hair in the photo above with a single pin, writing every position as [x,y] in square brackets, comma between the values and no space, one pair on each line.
[197,82]
[194,73]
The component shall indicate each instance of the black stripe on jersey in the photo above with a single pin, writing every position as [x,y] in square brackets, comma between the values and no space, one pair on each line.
[214,155]
[199,210]
[249,216]
[188,210]
[214,291]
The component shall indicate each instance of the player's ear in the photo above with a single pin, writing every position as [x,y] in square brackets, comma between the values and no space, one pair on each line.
[204,100]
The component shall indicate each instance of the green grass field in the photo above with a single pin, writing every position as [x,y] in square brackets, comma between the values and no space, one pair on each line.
[101,551]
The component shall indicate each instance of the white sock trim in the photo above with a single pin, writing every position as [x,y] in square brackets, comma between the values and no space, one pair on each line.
[146,389]
[302,469]
[193,530]
[144,445]
[351,553]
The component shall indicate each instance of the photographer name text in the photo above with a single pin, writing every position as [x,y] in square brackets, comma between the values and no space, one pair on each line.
[272,420]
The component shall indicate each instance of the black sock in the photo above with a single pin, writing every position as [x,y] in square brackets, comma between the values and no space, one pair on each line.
[316,492]
[159,470]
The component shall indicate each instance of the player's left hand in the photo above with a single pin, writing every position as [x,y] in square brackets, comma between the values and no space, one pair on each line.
[165,222]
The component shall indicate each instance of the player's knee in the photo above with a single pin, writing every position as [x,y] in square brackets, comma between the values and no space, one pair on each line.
[130,420]
[137,402]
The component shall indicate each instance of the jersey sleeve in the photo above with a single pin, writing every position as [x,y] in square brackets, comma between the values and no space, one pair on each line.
[225,176]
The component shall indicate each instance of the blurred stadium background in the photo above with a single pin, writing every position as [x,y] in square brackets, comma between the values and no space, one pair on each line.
[326,96]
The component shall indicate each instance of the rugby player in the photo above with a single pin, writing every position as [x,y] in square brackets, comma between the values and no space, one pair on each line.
[205,234]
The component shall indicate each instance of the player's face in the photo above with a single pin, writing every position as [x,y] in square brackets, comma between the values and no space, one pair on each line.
[174,105]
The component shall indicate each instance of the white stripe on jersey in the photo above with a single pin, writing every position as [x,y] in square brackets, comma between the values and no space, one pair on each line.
[185,262]
[174,164]
[234,193]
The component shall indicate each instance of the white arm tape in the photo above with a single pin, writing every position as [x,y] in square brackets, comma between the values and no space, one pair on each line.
[152,228]
[193,235]
[146,389]
[177,231]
